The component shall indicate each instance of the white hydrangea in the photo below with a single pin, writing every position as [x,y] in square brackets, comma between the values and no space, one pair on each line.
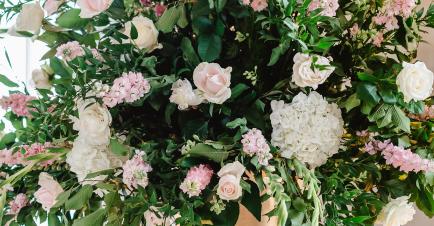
[396,213]
[308,129]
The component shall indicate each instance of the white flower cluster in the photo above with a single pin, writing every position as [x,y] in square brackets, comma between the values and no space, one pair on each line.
[396,213]
[90,149]
[308,129]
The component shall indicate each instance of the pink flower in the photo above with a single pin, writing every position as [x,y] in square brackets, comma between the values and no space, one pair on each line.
[91,8]
[17,204]
[70,50]
[128,88]
[146,2]
[389,22]
[136,172]
[329,7]
[427,114]
[246,2]
[97,55]
[197,179]
[46,195]
[51,6]
[213,81]
[35,149]
[18,103]
[254,143]
[378,39]
[398,157]
[159,9]
[259,5]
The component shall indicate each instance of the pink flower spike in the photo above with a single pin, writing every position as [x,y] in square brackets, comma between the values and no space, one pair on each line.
[197,179]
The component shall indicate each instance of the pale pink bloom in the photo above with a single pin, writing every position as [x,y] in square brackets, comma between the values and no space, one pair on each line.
[91,8]
[70,50]
[128,88]
[17,102]
[246,2]
[51,6]
[97,55]
[46,195]
[159,9]
[17,204]
[254,143]
[398,157]
[35,149]
[402,7]
[214,81]
[259,5]
[198,177]
[329,7]
[427,114]
[389,22]
[135,172]
[378,39]
[354,30]
[9,158]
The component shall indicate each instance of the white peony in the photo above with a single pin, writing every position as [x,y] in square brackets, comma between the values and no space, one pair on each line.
[40,79]
[229,187]
[308,129]
[147,33]
[93,122]
[310,70]
[396,213]
[29,19]
[183,95]
[415,81]
[84,159]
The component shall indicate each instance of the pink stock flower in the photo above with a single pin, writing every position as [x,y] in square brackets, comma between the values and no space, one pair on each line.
[378,39]
[11,157]
[18,203]
[135,172]
[329,7]
[259,5]
[198,177]
[128,88]
[159,9]
[254,143]
[70,50]
[17,102]
[393,8]
[398,157]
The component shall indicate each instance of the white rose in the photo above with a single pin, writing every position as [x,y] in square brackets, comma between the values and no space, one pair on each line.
[229,187]
[396,213]
[214,81]
[147,33]
[40,79]
[84,159]
[183,95]
[29,19]
[91,8]
[304,74]
[415,81]
[51,6]
[93,122]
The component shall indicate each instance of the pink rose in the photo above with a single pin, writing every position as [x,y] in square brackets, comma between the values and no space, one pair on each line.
[229,187]
[51,6]
[213,81]
[48,192]
[91,8]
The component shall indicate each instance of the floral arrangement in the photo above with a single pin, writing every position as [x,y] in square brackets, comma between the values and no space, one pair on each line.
[178,112]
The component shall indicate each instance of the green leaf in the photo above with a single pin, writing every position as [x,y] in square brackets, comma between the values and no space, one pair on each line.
[95,219]
[400,120]
[77,201]
[7,82]
[252,201]
[182,21]
[133,33]
[277,53]
[368,92]
[229,216]
[209,47]
[189,53]
[168,20]
[59,67]
[128,4]
[62,198]
[238,90]
[71,19]
[204,150]
[366,77]
[53,219]
[351,102]
[118,148]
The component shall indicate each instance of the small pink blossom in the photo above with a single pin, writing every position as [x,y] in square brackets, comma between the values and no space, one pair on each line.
[17,102]
[246,2]
[259,5]
[135,172]
[329,7]
[398,157]
[97,55]
[70,50]
[389,22]
[49,189]
[128,88]
[18,203]
[378,39]
[159,9]
[354,30]
[11,157]
[254,143]
[197,179]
